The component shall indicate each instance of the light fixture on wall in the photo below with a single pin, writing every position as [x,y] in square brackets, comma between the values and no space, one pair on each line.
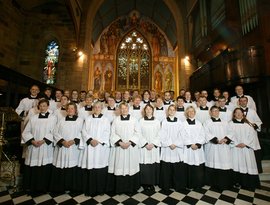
[80,54]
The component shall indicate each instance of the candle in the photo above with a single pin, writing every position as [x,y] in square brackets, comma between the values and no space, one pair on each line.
[3,118]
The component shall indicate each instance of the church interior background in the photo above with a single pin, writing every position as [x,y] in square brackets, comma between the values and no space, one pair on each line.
[109,45]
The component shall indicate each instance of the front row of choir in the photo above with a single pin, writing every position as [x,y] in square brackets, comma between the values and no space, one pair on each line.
[95,157]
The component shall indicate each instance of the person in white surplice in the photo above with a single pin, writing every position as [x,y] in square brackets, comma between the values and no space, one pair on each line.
[124,170]
[218,160]
[150,144]
[67,135]
[94,158]
[38,136]
[244,162]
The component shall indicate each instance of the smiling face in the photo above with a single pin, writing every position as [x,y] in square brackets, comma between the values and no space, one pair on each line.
[43,107]
[88,101]
[146,96]
[71,110]
[238,114]
[97,108]
[124,109]
[190,112]
[214,112]
[64,100]
[239,90]
[171,111]
[34,90]
[148,111]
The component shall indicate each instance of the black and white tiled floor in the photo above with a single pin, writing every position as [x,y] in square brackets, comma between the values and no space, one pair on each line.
[205,195]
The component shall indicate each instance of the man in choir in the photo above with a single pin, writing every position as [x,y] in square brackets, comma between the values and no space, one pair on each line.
[196,97]
[205,94]
[58,95]
[124,169]
[27,103]
[61,113]
[153,96]
[216,95]
[172,169]
[182,92]
[180,109]
[110,111]
[135,93]
[255,121]
[149,152]
[225,113]
[240,93]
[101,97]
[126,96]
[48,96]
[136,110]
[193,138]
[67,93]
[94,158]
[202,112]
[118,97]
[187,100]
[244,161]
[86,110]
[38,137]
[67,135]
[167,100]
[82,95]
[159,112]
[218,160]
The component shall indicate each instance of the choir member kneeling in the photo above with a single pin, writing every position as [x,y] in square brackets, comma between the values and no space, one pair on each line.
[172,168]
[150,143]
[67,136]
[124,175]
[193,137]
[218,160]
[38,136]
[95,154]
[244,162]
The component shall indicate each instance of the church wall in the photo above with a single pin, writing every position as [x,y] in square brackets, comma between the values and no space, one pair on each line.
[11,35]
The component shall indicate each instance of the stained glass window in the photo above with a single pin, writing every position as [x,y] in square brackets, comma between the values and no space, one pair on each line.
[133,63]
[50,63]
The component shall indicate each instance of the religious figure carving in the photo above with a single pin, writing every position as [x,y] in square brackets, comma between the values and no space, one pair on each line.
[158,81]
[168,79]
[97,79]
[108,80]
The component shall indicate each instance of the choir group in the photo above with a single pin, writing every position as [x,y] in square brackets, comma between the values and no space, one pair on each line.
[80,142]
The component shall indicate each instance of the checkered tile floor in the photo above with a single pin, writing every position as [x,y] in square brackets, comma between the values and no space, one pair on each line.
[205,195]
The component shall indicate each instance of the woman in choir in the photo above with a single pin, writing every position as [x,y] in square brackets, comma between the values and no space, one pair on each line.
[95,154]
[145,98]
[159,112]
[75,96]
[188,101]
[172,169]
[38,136]
[61,112]
[180,109]
[244,162]
[150,143]
[126,97]
[124,175]
[193,137]
[67,136]
[86,110]
[218,160]
[110,111]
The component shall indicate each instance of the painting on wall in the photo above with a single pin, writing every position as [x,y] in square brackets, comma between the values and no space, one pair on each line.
[108,77]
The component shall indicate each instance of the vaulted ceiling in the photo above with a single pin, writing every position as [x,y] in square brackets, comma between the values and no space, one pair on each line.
[156,10]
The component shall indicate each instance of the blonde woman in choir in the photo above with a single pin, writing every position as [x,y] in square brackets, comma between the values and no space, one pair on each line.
[67,136]
[124,169]
[218,159]
[150,144]
[243,157]
[193,137]
[95,154]
[38,137]
[172,168]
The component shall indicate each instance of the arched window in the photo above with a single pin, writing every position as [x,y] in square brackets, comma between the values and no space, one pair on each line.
[50,63]
[133,63]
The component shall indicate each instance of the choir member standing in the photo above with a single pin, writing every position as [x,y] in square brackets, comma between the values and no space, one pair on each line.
[124,175]
[86,110]
[188,101]
[38,136]
[225,113]
[180,109]
[244,162]
[67,136]
[218,160]
[95,154]
[172,168]
[150,143]
[110,111]
[159,112]
[202,112]
[167,100]
[136,110]
[240,93]
[75,97]
[61,112]
[145,98]
[118,98]
[193,137]
[252,116]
